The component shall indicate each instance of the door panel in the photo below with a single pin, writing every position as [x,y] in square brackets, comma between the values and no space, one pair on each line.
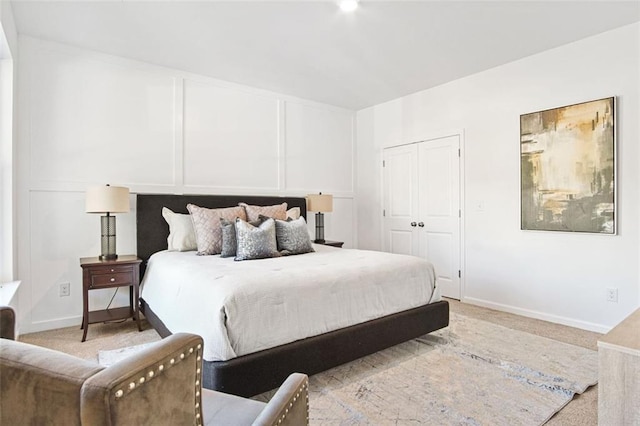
[401,242]
[400,171]
[400,176]
[438,247]
[435,180]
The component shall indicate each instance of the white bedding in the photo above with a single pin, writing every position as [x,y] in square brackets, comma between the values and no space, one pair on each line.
[244,307]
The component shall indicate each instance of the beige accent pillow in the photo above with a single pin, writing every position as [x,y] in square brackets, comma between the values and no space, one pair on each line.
[181,237]
[278,211]
[206,223]
[293,213]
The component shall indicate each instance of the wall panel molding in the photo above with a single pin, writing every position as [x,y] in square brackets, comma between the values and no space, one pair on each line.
[88,118]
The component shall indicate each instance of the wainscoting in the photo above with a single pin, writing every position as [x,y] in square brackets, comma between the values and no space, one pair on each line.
[87,118]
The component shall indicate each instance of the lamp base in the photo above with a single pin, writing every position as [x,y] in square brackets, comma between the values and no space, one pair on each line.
[319,228]
[108,238]
[104,257]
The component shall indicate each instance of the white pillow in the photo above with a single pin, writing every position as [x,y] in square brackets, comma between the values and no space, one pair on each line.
[181,237]
[293,213]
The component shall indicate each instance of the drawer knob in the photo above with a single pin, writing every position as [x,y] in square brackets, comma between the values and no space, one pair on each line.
[112,270]
[113,279]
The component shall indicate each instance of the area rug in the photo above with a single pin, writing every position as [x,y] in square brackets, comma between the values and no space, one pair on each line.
[471,373]
[107,358]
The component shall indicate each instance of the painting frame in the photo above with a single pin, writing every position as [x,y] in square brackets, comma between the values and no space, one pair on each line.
[568,168]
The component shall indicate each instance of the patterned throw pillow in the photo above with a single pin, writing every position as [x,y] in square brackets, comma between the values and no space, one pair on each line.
[181,237]
[292,237]
[229,240]
[256,242]
[206,223]
[278,211]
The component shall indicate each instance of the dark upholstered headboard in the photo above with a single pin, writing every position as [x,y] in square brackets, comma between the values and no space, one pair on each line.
[152,229]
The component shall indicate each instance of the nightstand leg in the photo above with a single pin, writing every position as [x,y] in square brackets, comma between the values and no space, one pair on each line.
[133,307]
[85,307]
[136,304]
[85,327]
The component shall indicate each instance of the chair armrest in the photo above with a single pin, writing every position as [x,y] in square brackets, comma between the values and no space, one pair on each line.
[158,385]
[39,385]
[7,323]
[289,406]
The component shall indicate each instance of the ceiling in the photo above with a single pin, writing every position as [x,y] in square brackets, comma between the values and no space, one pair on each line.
[310,49]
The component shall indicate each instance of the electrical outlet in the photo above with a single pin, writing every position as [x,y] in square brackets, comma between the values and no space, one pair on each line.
[65,289]
[612,295]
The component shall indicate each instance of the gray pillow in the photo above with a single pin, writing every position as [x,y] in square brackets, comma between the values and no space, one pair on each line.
[292,236]
[256,242]
[229,240]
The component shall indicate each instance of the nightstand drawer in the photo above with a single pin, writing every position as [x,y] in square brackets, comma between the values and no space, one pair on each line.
[99,270]
[111,279]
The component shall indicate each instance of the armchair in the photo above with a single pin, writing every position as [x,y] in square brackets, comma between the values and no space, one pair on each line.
[7,322]
[158,385]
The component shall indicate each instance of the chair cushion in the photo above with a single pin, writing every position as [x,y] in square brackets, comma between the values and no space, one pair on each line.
[225,409]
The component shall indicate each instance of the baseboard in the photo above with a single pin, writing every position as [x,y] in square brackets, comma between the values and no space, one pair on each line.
[35,327]
[584,325]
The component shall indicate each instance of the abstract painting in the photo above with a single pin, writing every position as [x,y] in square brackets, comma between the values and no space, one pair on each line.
[567,168]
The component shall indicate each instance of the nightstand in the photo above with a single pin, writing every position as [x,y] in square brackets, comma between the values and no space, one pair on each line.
[332,243]
[100,274]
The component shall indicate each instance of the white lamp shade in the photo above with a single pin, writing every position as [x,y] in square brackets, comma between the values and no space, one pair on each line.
[107,199]
[320,203]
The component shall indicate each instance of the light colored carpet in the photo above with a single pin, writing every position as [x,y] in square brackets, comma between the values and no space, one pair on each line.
[109,357]
[472,373]
[582,410]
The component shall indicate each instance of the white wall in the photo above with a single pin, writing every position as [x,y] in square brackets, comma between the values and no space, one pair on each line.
[8,85]
[88,118]
[8,26]
[560,277]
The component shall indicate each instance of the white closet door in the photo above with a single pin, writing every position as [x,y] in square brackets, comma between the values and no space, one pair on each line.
[421,185]
[439,221]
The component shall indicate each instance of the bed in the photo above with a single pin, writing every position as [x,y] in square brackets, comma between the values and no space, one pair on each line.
[254,365]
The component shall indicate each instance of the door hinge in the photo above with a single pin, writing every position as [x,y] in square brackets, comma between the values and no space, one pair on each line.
[459,213]
[384,212]
[459,273]
[458,152]
[383,163]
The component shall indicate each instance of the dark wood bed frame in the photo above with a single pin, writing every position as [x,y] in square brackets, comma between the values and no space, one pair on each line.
[258,372]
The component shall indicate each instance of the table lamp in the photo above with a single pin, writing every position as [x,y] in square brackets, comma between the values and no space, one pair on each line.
[320,203]
[107,199]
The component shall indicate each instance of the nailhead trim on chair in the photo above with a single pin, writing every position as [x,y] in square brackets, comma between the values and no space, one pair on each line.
[304,387]
[119,393]
[198,387]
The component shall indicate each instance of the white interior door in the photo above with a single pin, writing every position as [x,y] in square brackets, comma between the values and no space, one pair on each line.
[400,177]
[421,195]
[439,221]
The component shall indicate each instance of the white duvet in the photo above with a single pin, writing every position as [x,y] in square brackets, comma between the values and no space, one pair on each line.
[244,307]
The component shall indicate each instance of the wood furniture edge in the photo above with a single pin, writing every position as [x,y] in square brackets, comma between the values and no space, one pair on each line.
[624,337]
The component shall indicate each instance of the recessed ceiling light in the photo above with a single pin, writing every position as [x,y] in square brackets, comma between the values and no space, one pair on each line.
[348,5]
